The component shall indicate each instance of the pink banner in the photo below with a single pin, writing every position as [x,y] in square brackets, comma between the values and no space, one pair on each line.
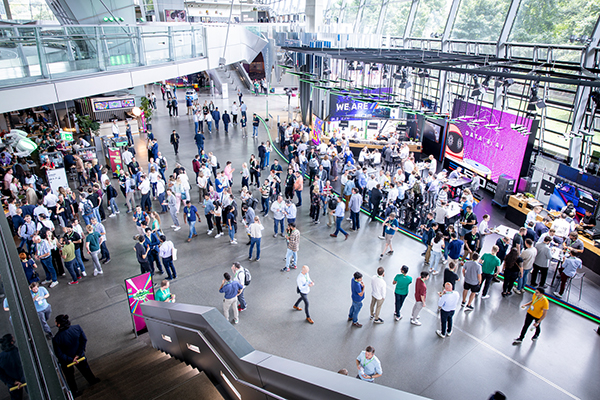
[139,290]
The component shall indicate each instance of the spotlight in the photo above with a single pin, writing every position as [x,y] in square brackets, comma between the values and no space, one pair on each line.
[534,100]
[508,82]
[351,66]
[374,67]
[359,66]
[477,90]
[423,73]
[486,82]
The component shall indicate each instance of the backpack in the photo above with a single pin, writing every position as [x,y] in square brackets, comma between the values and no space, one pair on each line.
[162,163]
[252,202]
[247,277]
[87,208]
[332,203]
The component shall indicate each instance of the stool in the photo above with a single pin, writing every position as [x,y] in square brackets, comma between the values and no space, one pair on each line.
[579,275]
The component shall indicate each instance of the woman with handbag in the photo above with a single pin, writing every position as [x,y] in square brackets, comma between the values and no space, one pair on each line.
[29,267]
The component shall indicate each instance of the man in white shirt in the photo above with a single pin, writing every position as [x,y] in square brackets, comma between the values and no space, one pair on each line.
[561,227]
[50,200]
[447,303]
[304,283]
[115,129]
[144,188]
[239,275]
[256,229]
[378,290]
[234,112]
[127,157]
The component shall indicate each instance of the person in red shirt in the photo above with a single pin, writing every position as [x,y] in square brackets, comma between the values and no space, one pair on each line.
[420,296]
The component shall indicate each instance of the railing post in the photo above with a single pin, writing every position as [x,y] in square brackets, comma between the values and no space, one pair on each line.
[41,53]
[193,31]
[99,50]
[171,44]
[24,62]
[140,46]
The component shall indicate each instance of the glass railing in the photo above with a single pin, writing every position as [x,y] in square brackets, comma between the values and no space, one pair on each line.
[33,53]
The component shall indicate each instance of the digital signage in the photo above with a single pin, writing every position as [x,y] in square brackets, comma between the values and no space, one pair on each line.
[484,141]
[345,107]
[113,104]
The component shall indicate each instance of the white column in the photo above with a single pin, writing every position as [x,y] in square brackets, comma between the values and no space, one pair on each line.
[314,15]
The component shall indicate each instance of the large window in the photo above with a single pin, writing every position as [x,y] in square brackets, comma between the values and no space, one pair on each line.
[350,12]
[554,21]
[480,19]
[31,10]
[370,16]
[395,18]
[431,18]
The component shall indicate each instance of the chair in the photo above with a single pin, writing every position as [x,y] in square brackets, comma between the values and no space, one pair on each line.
[579,275]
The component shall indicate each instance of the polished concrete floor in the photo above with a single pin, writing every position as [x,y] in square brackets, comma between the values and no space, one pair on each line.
[476,361]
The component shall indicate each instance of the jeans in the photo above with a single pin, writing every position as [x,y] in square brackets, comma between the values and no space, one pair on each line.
[209,124]
[522,281]
[113,205]
[232,233]
[97,213]
[299,195]
[79,263]
[87,218]
[304,298]
[280,223]
[242,300]
[196,127]
[48,268]
[267,158]
[487,282]
[44,316]
[192,225]
[96,261]
[264,201]
[436,256]
[254,130]
[104,251]
[338,226]
[146,203]
[354,310]
[399,302]
[255,241]
[446,317]
[355,220]
[288,257]
[70,266]
[169,267]
[153,258]
[528,320]
[161,199]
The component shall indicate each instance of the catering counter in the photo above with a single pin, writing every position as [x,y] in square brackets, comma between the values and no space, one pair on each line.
[357,145]
[517,210]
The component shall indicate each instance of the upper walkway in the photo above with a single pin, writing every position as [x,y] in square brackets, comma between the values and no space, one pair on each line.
[46,64]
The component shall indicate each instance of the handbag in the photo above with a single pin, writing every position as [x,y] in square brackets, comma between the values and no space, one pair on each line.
[174,254]
[183,196]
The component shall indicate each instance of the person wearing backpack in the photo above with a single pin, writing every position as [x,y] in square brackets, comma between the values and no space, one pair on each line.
[162,165]
[88,210]
[242,276]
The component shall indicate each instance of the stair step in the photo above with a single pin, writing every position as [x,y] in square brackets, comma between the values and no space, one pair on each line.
[201,387]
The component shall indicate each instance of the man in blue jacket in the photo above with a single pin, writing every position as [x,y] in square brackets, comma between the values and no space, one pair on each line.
[217,117]
[11,369]
[69,347]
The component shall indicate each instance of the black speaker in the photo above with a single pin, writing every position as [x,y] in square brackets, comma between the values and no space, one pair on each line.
[505,187]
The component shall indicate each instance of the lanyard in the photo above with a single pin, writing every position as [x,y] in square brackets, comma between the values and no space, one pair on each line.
[536,300]
[367,363]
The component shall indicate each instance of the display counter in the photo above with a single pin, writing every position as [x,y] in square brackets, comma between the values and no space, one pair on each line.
[414,147]
[518,208]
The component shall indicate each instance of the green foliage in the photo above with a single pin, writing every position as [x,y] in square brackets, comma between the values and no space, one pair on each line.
[480,19]
[431,17]
[396,17]
[147,109]
[87,125]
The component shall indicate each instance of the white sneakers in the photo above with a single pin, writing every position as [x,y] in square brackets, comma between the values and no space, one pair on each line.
[209,232]
[54,284]
[176,228]
[83,273]
[233,242]
[218,235]
[112,215]
[415,322]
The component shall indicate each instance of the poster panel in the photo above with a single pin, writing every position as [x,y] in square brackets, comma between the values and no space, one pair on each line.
[57,178]
[139,290]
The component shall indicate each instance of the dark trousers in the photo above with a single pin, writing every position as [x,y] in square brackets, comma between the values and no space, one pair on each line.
[543,271]
[299,195]
[264,201]
[374,211]
[145,267]
[104,251]
[176,147]
[169,267]
[146,202]
[509,281]
[209,221]
[528,320]
[487,279]
[69,373]
[154,258]
[304,298]
[355,219]
[399,302]
[446,317]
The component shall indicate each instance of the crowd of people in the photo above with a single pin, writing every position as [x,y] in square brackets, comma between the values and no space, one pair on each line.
[389,185]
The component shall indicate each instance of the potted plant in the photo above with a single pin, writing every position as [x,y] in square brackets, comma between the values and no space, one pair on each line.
[148,111]
[87,126]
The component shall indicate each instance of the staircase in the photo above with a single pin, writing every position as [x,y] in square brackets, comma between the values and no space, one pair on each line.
[142,372]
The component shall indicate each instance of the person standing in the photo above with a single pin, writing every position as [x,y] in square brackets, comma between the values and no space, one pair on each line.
[172,202]
[256,229]
[255,122]
[369,366]
[43,254]
[358,295]
[190,215]
[472,274]
[226,120]
[39,294]
[355,204]
[489,267]
[92,245]
[141,253]
[298,187]
[232,224]
[528,255]
[537,309]
[420,297]
[378,290]
[239,275]
[234,112]
[402,282]
[278,209]
[447,304]
[292,236]
[304,283]
[541,262]
[512,269]
[175,141]
[165,252]
[68,255]
[390,227]
[11,369]
[339,212]
[231,289]
[216,114]
[69,347]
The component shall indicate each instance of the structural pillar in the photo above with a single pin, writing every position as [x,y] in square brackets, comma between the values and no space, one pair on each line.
[314,15]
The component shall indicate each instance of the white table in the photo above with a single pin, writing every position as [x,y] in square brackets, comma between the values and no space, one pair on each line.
[504,230]
[453,209]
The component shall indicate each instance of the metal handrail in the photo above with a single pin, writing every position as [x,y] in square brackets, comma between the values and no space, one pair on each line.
[216,353]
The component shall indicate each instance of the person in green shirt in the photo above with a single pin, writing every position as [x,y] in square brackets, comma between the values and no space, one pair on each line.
[164,293]
[402,281]
[489,266]
[68,254]
[92,245]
